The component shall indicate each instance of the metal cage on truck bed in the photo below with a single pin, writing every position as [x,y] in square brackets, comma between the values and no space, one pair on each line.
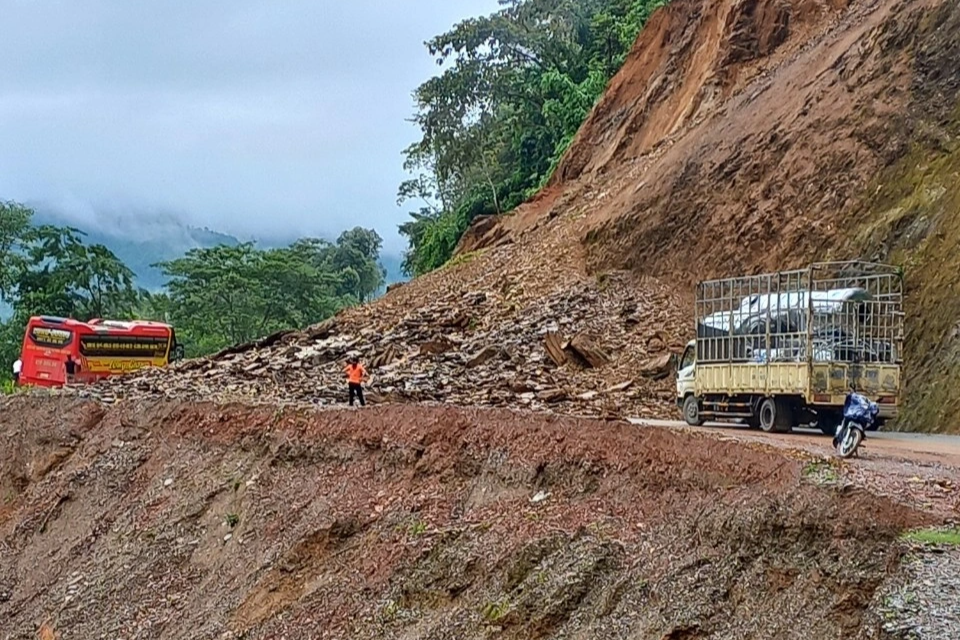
[813,332]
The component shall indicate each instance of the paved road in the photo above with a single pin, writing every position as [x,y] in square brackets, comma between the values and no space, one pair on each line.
[920,447]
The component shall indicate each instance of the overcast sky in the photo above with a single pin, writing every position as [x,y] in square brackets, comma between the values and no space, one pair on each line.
[254,118]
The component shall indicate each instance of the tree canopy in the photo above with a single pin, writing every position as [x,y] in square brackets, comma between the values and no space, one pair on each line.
[228,295]
[49,270]
[215,297]
[495,123]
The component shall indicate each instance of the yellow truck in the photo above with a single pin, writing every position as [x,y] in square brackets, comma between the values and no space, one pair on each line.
[782,350]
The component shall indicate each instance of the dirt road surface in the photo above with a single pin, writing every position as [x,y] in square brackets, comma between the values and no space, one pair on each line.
[916,447]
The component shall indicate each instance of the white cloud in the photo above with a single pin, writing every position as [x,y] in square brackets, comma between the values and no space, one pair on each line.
[251,117]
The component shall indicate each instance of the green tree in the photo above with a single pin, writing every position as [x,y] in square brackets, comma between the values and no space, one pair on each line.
[495,123]
[352,262]
[48,270]
[229,295]
[14,226]
[65,277]
[359,249]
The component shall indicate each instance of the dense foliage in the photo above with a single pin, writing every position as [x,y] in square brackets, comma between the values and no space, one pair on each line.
[49,270]
[228,295]
[495,123]
[215,297]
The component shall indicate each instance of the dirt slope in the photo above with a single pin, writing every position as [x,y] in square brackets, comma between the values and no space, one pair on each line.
[740,136]
[833,135]
[197,521]
[745,136]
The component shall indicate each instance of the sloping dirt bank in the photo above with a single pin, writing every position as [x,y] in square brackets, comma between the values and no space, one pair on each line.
[197,521]
[761,135]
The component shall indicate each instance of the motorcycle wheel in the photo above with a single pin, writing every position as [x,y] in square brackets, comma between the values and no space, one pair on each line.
[849,441]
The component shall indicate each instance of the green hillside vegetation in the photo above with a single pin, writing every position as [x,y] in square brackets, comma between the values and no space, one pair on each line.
[215,296]
[913,218]
[496,122]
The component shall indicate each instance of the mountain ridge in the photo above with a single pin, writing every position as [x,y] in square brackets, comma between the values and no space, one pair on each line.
[143,241]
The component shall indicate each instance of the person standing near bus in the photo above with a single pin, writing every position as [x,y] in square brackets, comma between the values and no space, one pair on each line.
[71,369]
[355,375]
[17,368]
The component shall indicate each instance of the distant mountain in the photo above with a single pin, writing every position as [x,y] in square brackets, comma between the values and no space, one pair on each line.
[142,243]
[156,237]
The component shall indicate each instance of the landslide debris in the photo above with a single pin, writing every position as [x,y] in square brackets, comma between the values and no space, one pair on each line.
[743,137]
[593,347]
[738,137]
[172,520]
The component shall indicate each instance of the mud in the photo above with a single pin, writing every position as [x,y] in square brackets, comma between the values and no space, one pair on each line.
[204,521]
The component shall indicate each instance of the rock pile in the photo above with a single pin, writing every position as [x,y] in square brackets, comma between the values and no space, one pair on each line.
[601,347]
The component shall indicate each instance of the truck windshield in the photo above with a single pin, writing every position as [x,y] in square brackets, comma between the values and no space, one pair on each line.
[689,357]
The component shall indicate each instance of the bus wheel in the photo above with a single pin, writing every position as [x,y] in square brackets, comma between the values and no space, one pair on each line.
[691,411]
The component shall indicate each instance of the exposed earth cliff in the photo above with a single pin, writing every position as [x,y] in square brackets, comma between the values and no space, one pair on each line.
[224,498]
[739,137]
[169,520]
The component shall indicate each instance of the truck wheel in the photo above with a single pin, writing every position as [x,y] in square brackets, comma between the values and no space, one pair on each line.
[775,416]
[829,421]
[691,411]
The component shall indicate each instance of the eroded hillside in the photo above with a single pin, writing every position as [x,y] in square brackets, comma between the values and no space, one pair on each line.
[163,520]
[223,498]
[749,136]
[740,136]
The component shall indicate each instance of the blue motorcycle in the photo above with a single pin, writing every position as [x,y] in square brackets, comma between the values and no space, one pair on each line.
[859,416]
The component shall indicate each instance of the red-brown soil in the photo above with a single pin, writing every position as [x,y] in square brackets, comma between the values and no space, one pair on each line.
[759,136]
[740,135]
[167,521]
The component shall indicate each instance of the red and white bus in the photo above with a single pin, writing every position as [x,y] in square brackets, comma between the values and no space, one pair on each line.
[59,350]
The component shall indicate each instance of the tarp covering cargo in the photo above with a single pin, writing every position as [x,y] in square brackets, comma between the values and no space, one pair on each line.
[849,312]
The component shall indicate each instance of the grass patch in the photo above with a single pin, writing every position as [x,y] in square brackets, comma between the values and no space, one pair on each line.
[949,537]
[417,528]
[463,258]
[391,610]
[495,611]
[821,472]
[911,217]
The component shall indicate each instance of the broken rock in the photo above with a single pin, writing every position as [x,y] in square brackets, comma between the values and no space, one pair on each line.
[587,352]
[617,388]
[552,395]
[485,355]
[658,368]
[436,346]
[554,347]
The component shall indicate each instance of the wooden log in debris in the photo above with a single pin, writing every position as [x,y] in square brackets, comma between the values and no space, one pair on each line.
[586,352]
[554,347]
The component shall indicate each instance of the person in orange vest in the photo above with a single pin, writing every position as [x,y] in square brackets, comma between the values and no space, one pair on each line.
[355,375]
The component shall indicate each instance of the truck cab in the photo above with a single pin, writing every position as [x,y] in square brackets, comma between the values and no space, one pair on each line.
[686,383]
